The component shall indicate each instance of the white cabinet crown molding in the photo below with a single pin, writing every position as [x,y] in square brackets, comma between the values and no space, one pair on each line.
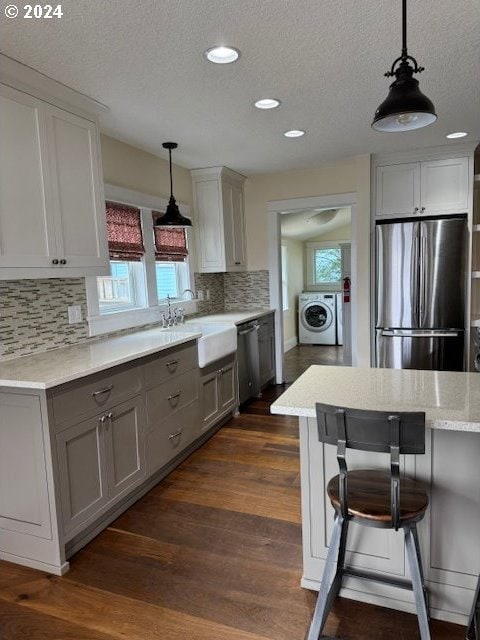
[218,172]
[31,81]
[428,153]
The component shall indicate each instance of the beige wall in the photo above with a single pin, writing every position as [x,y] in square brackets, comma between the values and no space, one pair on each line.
[260,189]
[295,286]
[347,176]
[132,168]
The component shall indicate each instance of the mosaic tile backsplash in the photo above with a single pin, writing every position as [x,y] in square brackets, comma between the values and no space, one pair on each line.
[33,313]
[246,290]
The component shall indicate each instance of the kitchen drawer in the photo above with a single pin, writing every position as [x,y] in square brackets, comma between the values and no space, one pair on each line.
[167,439]
[173,363]
[94,394]
[171,396]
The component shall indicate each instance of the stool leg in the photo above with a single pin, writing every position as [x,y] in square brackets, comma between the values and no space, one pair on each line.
[473,631]
[415,563]
[323,601]
[419,555]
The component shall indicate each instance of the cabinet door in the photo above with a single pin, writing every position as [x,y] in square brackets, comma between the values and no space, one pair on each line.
[125,446]
[234,227]
[83,482]
[444,186]
[228,387]
[209,228]
[80,223]
[27,236]
[398,189]
[266,353]
[24,499]
[209,400]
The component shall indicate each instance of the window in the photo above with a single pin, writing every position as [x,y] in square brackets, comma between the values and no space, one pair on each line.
[324,265]
[285,277]
[328,265]
[171,255]
[147,264]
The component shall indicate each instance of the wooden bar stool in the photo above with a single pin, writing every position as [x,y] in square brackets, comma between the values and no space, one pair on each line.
[372,498]
[473,629]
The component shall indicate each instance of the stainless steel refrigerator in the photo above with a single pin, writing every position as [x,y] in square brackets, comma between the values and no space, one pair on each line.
[421,293]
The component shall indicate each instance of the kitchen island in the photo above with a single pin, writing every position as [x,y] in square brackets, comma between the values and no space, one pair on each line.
[450,532]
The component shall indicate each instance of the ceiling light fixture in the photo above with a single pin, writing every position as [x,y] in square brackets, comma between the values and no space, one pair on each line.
[267,103]
[405,107]
[456,134]
[294,133]
[172,216]
[222,55]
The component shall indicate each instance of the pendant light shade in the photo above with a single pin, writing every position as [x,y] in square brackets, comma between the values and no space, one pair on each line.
[406,107]
[172,216]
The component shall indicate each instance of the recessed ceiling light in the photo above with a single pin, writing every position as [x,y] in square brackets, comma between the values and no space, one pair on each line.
[294,133]
[457,134]
[222,54]
[267,103]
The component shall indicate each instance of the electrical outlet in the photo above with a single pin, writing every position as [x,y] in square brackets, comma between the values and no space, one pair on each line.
[200,294]
[75,314]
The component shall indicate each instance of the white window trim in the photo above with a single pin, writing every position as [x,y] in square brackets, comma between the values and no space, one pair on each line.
[150,313]
[310,248]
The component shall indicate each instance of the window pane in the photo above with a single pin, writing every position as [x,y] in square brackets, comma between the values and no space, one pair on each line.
[167,281]
[116,292]
[328,265]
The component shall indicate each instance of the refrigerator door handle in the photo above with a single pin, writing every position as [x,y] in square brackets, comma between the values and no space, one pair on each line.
[423,276]
[433,333]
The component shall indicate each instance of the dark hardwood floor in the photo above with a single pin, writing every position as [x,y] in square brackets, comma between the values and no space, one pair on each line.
[213,552]
[298,359]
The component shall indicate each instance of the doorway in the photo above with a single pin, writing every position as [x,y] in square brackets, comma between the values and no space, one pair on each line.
[305,237]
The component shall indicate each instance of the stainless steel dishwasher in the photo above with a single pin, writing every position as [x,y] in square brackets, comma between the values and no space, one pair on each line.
[248,360]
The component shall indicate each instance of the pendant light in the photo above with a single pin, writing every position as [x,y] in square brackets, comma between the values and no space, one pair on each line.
[405,107]
[172,216]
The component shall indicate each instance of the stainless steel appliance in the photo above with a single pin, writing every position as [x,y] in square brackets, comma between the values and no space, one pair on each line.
[248,360]
[421,293]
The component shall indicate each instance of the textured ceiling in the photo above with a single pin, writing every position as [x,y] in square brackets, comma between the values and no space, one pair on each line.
[324,59]
[311,223]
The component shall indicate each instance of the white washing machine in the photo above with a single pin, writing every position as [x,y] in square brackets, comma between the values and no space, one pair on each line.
[317,321]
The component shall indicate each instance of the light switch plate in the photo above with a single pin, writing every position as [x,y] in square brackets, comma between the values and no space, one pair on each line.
[75,314]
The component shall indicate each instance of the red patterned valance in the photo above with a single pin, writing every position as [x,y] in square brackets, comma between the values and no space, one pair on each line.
[124,232]
[170,243]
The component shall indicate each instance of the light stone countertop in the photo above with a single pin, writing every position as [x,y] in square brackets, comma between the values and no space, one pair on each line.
[236,317]
[451,400]
[52,368]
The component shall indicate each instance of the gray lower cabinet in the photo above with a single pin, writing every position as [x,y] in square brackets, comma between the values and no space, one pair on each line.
[266,349]
[218,390]
[112,447]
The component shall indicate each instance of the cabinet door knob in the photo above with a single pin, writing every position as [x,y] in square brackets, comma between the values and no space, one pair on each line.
[422,209]
[415,210]
[63,261]
[55,261]
[237,262]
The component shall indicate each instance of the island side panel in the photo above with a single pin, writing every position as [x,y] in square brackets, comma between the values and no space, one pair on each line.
[29,533]
[451,551]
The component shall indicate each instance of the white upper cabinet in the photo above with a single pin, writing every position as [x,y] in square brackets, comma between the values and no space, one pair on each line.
[423,188]
[220,224]
[52,212]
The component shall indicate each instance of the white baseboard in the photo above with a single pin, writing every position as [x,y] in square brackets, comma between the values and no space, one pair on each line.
[289,344]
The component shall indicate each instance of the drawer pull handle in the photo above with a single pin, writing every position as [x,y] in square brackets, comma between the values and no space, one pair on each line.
[172,436]
[174,395]
[101,391]
[172,363]
[102,419]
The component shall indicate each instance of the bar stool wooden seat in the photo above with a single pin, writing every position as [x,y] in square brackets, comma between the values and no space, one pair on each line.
[372,498]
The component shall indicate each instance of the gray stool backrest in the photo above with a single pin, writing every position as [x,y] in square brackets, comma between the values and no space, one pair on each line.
[382,431]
